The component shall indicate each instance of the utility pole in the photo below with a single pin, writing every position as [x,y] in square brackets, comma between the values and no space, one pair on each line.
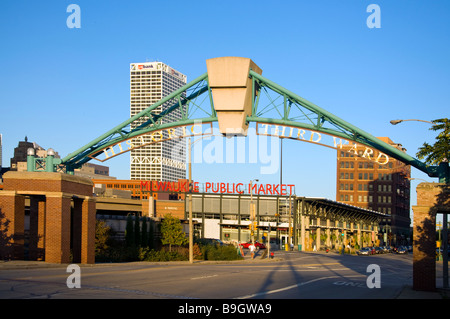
[191,228]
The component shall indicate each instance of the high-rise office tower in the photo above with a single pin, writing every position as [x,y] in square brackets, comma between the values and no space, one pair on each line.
[382,188]
[162,161]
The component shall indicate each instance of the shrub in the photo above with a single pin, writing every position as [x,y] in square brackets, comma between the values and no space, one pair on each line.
[216,252]
[147,254]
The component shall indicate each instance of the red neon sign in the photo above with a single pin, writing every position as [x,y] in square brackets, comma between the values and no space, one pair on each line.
[221,188]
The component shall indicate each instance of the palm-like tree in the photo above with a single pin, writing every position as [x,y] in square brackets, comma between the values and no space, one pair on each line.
[440,150]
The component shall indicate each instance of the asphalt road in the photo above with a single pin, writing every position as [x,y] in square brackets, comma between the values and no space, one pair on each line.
[292,275]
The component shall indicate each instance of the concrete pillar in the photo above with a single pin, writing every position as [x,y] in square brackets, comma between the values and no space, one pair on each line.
[37,228]
[318,235]
[12,225]
[88,222]
[328,233]
[358,235]
[424,249]
[302,231]
[83,238]
[57,236]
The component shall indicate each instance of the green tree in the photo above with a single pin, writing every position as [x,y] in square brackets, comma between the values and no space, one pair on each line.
[172,232]
[137,231]
[440,150]
[129,232]
[144,237]
[150,234]
[102,233]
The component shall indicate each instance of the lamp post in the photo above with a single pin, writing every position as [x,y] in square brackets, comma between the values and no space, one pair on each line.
[191,226]
[252,211]
[443,174]
[395,122]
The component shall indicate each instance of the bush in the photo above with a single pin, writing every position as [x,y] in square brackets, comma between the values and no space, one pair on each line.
[118,253]
[147,254]
[216,252]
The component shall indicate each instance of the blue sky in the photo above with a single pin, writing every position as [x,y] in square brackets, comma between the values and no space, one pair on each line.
[64,87]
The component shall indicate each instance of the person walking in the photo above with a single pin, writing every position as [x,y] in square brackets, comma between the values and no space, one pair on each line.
[252,250]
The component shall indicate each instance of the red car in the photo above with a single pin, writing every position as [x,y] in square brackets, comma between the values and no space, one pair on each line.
[257,244]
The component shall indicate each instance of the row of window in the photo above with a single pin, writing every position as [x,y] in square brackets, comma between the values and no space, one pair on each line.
[365,187]
[367,199]
[366,176]
[364,165]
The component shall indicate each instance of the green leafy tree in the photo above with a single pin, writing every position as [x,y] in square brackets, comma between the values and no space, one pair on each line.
[172,232]
[150,234]
[129,232]
[440,150]
[102,234]
[144,236]
[137,231]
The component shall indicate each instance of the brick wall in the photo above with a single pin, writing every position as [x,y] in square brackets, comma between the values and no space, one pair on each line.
[432,198]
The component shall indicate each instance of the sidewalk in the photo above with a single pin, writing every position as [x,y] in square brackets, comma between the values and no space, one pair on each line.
[408,293]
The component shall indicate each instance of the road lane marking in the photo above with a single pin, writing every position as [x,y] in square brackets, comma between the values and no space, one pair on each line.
[203,277]
[263,293]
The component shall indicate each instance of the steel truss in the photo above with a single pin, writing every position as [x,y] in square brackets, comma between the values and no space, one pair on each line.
[271,104]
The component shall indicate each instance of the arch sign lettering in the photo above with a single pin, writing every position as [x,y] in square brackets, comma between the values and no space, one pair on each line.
[263,129]
[320,138]
[197,129]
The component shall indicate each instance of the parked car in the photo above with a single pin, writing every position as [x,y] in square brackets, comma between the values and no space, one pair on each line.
[365,251]
[402,250]
[390,249]
[257,245]
[379,250]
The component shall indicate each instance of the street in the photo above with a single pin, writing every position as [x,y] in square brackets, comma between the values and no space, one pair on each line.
[291,275]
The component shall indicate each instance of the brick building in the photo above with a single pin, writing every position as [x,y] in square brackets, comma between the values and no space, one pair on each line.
[382,188]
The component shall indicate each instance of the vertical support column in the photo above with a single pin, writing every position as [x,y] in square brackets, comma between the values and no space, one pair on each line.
[76,229]
[88,231]
[37,228]
[358,236]
[57,236]
[83,237]
[12,224]
[424,246]
[328,233]
[318,234]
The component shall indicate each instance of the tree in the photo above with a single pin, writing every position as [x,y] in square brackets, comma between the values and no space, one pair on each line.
[129,232]
[102,234]
[137,231]
[144,237]
[440,150]
[150,234]
[172,232]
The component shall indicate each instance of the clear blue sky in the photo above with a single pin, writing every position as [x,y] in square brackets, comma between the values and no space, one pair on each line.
[64,87]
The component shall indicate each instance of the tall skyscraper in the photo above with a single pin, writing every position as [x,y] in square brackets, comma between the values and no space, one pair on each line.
[382,188]
[162,161]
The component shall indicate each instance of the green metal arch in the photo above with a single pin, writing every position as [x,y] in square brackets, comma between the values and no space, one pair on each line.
[282,107]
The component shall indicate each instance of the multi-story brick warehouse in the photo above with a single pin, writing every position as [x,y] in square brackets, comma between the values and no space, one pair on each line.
[382,188]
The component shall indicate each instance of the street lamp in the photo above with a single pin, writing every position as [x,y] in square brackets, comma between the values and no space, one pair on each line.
[252,210]
[395,122]
[444,163]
